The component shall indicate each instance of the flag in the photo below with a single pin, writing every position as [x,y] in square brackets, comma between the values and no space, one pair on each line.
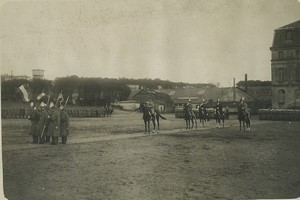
[60,97]
[40,96]
[25,93]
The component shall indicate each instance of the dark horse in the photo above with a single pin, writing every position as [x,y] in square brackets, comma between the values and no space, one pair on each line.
[156,116]
[189,117]
[220,117]
[244,116]
[203,115]
[150,116]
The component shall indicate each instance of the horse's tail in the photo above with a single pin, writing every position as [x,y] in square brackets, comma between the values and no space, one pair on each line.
[161,116]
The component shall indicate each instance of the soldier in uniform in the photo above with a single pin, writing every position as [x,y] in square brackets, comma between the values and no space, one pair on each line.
[43,123]
[189,105]
[64,125]
[203,115]
[150,106]
[219,107]
[54,124]
[242,105]
[34,118]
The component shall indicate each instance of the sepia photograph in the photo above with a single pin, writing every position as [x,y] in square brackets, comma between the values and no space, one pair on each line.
[150,100]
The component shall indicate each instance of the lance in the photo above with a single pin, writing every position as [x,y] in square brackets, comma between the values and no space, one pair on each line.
[67,101]
[58,98]
[43,132]
[48,100]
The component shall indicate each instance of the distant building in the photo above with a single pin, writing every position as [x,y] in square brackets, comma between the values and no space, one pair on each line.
[38,73]
[285,65]
[7,77]
[134,88]
[260,93]
[229,96]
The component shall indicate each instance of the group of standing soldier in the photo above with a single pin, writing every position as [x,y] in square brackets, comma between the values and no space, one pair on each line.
[48,124]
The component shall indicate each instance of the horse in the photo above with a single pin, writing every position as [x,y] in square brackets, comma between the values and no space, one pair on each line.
[151,115]
[203,115]
[155,117]
[189,117]
[244,116]
[219,117]
[147,116]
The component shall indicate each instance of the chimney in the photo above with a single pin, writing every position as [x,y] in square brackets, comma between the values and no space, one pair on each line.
[234,95]
[246,84]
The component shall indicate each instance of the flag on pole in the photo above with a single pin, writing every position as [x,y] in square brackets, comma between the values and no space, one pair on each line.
[60,97]
[24,92]
[40,96]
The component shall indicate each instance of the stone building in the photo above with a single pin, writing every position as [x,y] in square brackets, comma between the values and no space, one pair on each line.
[285,65]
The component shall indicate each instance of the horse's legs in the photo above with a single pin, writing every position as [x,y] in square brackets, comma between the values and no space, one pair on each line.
[157,120]
[196,122]
[154,125]
[145,122]
[223,121]
[218,121]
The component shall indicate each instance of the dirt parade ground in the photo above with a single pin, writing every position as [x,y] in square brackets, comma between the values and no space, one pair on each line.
[112,158]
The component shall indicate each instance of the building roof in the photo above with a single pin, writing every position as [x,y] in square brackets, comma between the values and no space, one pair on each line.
[287,36]
[196,94]
[289,26]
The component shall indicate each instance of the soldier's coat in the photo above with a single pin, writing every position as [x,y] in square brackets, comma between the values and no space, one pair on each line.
[34,118]
[64,124]
[54,124]
[44,120]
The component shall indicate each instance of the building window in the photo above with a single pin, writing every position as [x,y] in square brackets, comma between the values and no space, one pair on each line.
[298,53]
[281,96]
[280,55]
[289,35]
[297,93]
[289,54]
[280,74]
[298,73]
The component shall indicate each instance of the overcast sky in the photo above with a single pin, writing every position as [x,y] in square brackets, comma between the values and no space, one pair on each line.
[191,41]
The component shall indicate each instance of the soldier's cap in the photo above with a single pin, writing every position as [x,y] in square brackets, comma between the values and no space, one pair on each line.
[190,100]
[43,105]
[51,105]
[203,99]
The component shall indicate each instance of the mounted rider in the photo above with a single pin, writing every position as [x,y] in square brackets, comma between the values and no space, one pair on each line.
[190,106]
[242,106]
[202,108]
[219,107]
[150,106]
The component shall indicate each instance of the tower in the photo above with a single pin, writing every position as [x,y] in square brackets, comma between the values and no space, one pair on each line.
[38,73]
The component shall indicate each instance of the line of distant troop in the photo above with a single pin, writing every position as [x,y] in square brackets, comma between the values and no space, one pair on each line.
[21,112]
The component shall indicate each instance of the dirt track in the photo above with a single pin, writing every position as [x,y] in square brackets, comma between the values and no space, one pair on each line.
[111,158]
